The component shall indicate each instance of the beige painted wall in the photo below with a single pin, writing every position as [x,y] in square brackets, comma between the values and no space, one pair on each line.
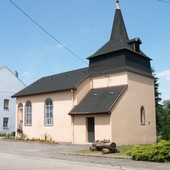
[102,128]
[63,102]
[122,126]
[61,129]
[82,90]
[116,79]
[126,116]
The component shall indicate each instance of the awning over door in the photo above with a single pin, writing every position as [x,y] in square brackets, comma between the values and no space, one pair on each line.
[99,101]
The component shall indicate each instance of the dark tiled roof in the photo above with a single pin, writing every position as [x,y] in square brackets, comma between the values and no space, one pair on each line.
[99,101]
[55,83]
[119,38]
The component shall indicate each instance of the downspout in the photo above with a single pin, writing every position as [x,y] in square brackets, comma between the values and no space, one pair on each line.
[108,81]
[72,117]
[72,122]
[91,83]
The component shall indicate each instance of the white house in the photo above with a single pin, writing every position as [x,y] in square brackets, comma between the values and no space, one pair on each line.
[10,84]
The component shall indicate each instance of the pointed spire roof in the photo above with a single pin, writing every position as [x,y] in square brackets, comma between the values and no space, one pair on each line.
[119,37]
[119,29]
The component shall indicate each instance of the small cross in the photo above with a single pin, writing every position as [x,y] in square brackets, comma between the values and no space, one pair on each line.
[117,4]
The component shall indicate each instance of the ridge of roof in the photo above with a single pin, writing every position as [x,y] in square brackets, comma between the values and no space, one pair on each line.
[55,83]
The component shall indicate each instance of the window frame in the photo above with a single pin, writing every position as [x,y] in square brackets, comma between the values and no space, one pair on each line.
[6,104]
[6,123]
[48,112]
[28,113]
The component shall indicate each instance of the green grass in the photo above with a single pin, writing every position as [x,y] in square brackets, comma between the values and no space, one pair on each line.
[122,149]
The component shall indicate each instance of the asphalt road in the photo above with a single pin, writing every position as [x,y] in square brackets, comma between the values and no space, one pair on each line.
[16,155]
[17,162]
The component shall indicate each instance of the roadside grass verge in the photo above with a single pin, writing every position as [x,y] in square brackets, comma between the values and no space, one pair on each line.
[122,152]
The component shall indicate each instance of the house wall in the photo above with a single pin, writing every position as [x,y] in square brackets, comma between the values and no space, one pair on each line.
[10,85]
[126,125]
[61,129]
[115,79]
[102,128]
[122,126]
[82,90]
[63,102]
[102,122]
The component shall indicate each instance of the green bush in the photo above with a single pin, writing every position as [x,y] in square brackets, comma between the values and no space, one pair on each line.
[159,152]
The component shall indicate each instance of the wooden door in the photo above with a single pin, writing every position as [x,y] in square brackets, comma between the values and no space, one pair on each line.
[91,129]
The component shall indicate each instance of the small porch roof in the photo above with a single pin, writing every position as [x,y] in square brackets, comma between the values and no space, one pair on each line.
[99,101]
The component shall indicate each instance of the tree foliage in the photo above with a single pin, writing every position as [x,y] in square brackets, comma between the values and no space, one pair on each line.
[162,113]
[164,121]
[158,107]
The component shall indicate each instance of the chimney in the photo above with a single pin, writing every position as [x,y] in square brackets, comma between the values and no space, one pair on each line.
[16,74]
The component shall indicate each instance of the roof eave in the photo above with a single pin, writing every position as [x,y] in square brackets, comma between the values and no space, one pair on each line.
[40,93]
[89,113]
[124,48]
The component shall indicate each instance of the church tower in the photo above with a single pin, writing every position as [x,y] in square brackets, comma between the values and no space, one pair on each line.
[121,62]
[120,53]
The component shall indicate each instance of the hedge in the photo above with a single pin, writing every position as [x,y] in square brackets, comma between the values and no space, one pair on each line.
[159,152]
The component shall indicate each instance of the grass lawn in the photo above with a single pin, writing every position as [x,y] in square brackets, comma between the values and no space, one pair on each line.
[122,153]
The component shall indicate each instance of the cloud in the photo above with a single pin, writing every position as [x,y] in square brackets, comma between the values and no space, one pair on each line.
[60,45]
[54,47]
[88,30]
[165,74]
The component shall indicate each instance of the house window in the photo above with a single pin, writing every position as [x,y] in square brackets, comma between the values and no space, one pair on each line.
[5,122]
[48,112]
[142,115]
[28,114]
[6,104]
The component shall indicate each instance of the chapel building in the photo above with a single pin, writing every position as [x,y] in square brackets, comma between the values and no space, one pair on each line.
[111,99]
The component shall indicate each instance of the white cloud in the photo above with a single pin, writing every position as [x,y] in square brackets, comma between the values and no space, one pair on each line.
[165,74]
[89,30]
[54,47]
[60,45]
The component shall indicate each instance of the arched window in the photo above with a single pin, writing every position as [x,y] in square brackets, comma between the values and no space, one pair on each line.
[48,112]
[142,115]
[28,113]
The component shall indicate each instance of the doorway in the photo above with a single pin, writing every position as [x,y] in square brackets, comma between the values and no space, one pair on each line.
[91,129]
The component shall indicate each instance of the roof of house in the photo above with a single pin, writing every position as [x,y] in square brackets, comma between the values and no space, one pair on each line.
[99,101]
[55,83]
[119,38]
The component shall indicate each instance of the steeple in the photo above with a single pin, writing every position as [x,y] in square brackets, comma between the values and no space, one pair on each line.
[119,37]
[120,53]
[118,30]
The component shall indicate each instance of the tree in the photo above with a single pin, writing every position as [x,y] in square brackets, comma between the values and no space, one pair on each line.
[162,113]
[165,120]
[158,106]
[157,93]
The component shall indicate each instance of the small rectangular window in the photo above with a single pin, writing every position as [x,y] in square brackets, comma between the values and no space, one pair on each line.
[5,122]
[6,104]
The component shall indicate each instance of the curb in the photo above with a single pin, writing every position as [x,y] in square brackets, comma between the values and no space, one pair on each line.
[101,156]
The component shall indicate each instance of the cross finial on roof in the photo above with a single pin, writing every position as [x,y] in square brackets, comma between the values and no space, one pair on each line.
[117,4]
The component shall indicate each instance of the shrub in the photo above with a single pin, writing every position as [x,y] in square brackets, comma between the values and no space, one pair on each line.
[159,152]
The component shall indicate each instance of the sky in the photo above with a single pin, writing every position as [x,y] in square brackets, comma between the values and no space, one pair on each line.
[83,26]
